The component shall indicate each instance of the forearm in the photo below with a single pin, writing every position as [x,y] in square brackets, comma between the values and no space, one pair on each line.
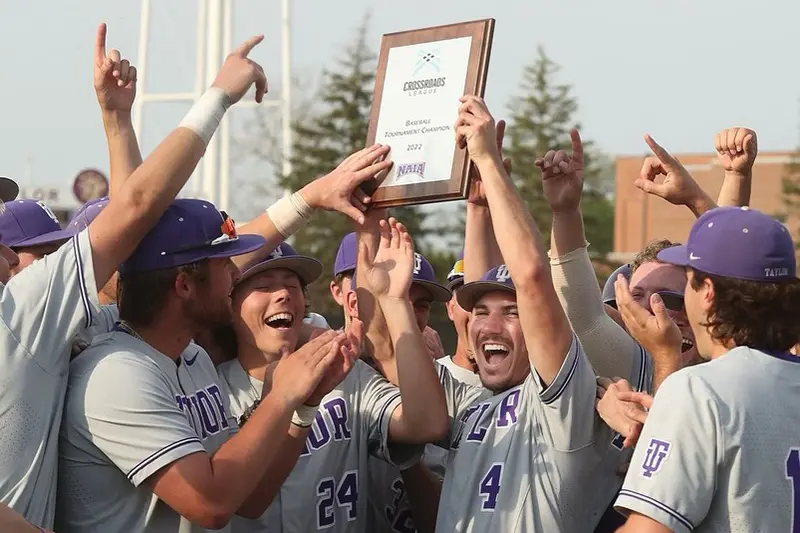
[702,203]
[123,148]
[424,408]
[515,231]
[567,233]
[424,490]
[545,325]
[288,449]
[240,465]
[610,349]
[481,252]
[264,227]
[735,190]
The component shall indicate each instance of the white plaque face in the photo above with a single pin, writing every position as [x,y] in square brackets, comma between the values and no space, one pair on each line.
[419,107]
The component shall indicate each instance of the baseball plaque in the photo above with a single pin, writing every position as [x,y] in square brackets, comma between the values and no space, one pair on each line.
[421,75]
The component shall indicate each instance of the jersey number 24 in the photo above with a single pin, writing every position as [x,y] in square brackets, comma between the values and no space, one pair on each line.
[344,494]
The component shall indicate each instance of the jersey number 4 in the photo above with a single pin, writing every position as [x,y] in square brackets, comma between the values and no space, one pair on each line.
[490,487]
[343,494]
[793,473]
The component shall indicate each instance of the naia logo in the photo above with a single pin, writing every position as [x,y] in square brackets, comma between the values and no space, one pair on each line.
[655,457]
[407,169]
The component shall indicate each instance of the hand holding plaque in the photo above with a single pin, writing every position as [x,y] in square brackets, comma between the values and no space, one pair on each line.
[421,75]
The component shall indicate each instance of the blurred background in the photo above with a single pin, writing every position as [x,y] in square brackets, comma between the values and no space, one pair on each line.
[681,71]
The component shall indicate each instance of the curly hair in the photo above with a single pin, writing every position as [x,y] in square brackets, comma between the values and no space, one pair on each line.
[751,313]
[650,253]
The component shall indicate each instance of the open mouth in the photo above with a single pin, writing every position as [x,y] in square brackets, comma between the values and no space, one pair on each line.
[494,352]
[280,321]
[686,344]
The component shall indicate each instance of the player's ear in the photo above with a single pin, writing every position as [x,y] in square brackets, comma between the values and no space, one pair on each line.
[351,304]
[449,306]
[336,292]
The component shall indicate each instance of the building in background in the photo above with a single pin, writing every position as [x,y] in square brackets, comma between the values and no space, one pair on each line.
[64,199]
[640,218]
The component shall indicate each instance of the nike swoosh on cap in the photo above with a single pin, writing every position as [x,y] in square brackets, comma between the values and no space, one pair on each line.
[692,257]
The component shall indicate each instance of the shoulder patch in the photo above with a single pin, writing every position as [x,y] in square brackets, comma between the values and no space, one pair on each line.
[656,455]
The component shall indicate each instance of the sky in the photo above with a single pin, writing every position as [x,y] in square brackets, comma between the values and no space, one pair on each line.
[678,69]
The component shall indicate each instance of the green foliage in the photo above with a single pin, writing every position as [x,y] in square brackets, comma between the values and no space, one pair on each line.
[541,118]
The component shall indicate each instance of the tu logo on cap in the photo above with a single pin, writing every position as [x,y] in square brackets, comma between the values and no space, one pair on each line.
[502,274]
[47,210]
[417,263]
[276,253]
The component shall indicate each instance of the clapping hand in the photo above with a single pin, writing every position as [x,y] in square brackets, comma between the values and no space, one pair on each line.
[114,77]
[562,176]
[341,366]
[389,270]
[623,416]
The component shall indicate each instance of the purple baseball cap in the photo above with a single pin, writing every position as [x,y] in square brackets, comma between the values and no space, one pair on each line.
[456,276]
[30,223]
[425,276]
[86,214]
[739,243]
[609,294]
[497,279]
[346,255]
[307,269]
[8,189]
[190,230]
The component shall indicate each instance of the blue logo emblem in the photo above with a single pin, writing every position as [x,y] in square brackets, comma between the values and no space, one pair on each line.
[657,452]
[411,168]
[428,60]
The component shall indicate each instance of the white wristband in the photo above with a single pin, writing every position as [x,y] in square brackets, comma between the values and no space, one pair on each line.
[205,115]
[289,214]
[304,415]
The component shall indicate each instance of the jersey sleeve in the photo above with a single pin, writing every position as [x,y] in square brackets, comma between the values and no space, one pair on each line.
[50,301]
[458,396]
[378,401]
[133,417]
[672,475]
[567,405]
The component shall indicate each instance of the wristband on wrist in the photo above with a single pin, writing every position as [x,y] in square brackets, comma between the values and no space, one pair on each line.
[205,115]
[304,415]
[289,214]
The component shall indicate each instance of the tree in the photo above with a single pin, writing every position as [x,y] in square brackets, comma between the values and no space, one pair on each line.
[540,120]
[323,136]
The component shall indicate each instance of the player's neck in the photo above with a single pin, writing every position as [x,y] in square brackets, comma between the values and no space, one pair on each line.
[169,337]
[460,358]
[254,361]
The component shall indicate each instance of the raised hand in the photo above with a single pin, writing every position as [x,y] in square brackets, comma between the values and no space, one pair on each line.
[388,270]
[655,331]
[477,196]
[349,352]
[339,190]
[297,375]
[624,417]
[737,149]
[114,77]
[678,186]
[475,129]
[238,73]
[433,342]
[562,176]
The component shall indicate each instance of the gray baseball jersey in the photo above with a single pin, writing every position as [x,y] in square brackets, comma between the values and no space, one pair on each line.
[43,308]
[103,322]
[720,451]
[526,459]
[328,486]
[130,411]
[388,499]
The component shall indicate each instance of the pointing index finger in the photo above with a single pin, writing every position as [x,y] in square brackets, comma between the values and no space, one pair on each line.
[662,154]
[243,49]
[577,146]
[100,43]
